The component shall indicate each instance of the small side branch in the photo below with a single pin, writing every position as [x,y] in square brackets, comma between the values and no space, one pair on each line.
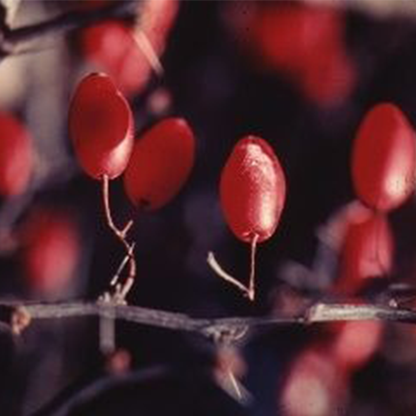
[215,266]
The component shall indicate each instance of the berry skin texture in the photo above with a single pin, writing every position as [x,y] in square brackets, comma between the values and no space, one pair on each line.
[161,162]
[384,158]
[252,190]
[101,127]
[16,156]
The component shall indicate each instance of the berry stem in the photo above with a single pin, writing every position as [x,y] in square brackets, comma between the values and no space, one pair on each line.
[252,281]
[123,290]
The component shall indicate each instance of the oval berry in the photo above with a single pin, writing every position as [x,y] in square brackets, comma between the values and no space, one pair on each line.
[101,127]
[160,164]
[16,156]
[384,158]
[367,252]
[252,190]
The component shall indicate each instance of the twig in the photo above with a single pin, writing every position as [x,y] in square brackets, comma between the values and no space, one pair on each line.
[123,264]
[250,290]
[146,47]
[215,266]
[229,328]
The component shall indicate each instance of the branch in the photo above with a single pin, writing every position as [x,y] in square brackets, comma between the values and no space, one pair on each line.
[14,40]
[19,314]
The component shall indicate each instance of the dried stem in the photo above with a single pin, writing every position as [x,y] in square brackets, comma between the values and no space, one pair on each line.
[215,266]
[121,235]
[250,290]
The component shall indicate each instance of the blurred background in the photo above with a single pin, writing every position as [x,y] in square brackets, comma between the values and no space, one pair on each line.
[300,74]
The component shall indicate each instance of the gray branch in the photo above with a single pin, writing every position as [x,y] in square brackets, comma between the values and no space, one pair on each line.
[18,315]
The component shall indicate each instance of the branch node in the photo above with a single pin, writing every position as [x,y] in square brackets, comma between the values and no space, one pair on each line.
[20,320]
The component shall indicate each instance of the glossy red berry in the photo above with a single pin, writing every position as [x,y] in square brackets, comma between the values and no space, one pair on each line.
[252,190]
[16,156]
[101,127]
[161,162]
[367,252]
[384,158]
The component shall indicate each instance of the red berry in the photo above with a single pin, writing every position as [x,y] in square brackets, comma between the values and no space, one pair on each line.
[292,36]
[51,251]
[16,156]
[112,48]
[160,164]
[367,252]
[304,43]
[384,158]
[314,385]
[101,127]
[355,343]
[252,190]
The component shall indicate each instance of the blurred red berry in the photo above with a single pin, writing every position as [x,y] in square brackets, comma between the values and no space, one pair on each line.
[305,43]
[111,47]
[314,386]
[156,20]
[367,252]
[127,53]
[51,252]
[16,156]
[355,343]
